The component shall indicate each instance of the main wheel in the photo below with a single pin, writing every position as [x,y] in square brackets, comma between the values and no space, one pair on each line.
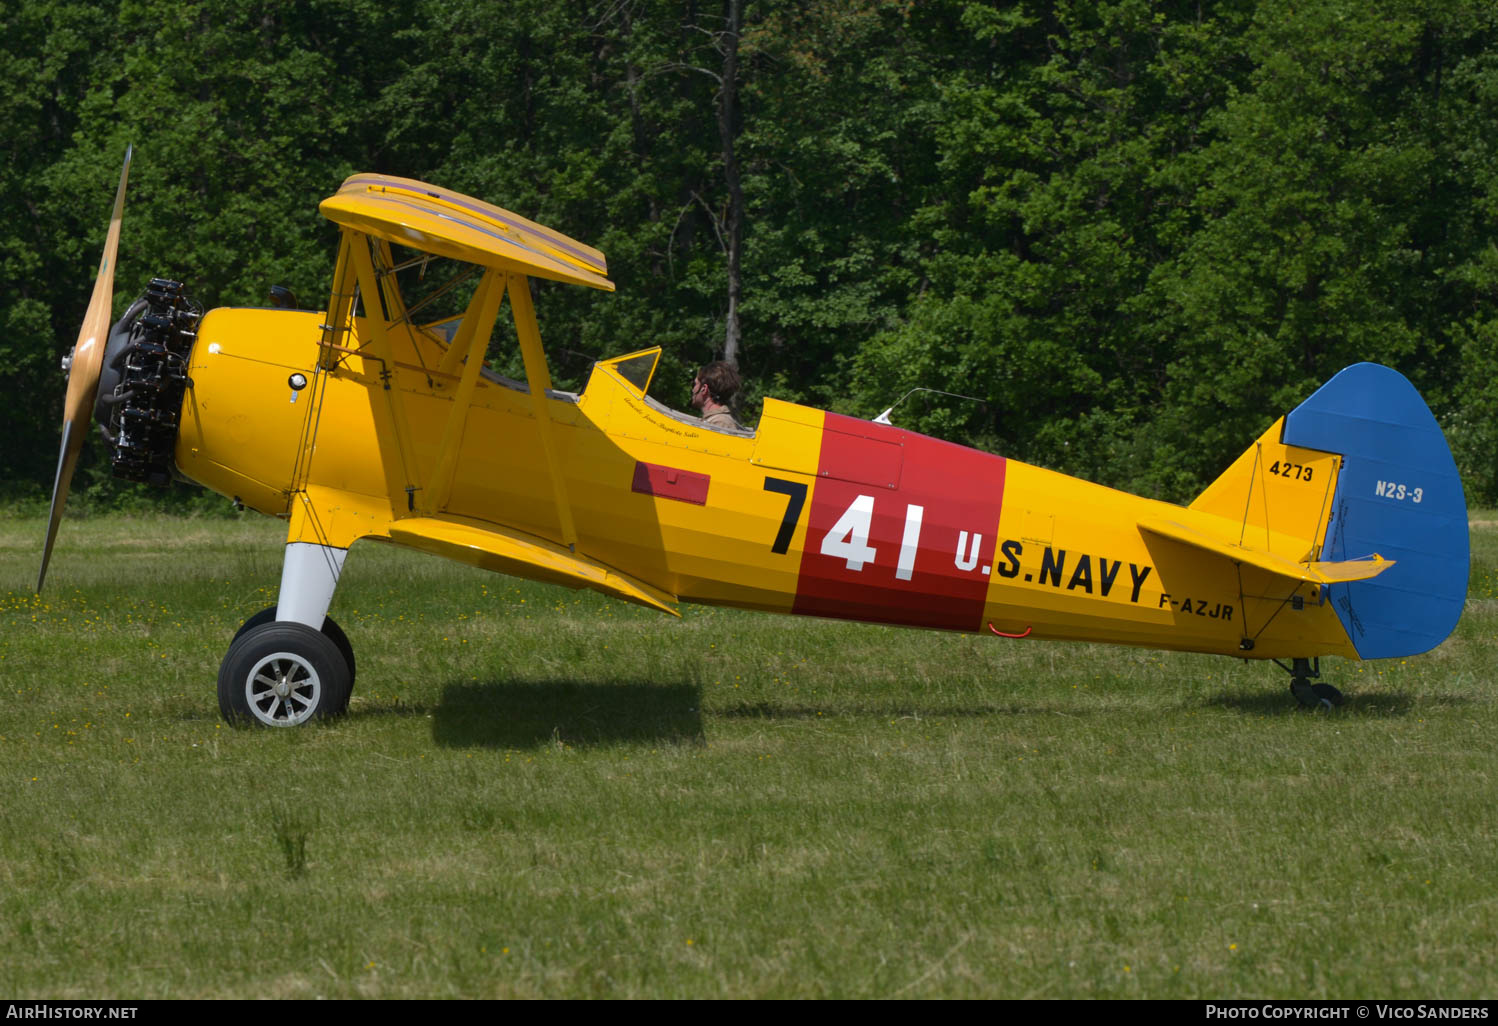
[282,674]
[329,627]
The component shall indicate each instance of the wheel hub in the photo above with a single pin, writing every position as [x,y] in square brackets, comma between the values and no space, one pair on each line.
[282,690]
[282,674]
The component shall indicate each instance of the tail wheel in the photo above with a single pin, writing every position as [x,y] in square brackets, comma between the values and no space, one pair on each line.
[1315,696]
[329,627]
[1327,695]
[1310,696]
[282,674]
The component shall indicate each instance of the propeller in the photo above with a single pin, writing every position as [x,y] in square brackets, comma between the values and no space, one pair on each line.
[83,368]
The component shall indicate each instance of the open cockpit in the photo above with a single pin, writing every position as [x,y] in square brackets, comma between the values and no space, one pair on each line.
[429,285]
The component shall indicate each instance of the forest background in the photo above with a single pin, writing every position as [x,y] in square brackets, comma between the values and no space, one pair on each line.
[1137,231]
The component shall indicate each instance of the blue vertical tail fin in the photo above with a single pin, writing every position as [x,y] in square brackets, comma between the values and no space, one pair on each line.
[1399,495]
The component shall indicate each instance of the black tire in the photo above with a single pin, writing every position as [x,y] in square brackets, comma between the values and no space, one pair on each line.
[1315,696]
[1327,694]
[329,627]
[282,674]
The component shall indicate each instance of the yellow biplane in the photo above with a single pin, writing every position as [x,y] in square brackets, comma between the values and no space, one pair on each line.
[1341,530]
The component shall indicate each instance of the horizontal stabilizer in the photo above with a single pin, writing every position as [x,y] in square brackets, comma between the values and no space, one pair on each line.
[1311,573]
[507,551]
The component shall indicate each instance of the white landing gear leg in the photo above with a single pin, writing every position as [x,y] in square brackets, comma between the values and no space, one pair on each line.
[308,578]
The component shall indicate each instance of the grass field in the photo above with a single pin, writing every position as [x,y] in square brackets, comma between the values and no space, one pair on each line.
[544,793]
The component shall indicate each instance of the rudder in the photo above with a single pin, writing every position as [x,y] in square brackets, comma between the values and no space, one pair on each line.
[1398,494]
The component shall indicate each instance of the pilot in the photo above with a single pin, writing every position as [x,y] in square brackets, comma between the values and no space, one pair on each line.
[712,388]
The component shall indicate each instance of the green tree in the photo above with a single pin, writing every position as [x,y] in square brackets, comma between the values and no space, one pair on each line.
[1330,222]
[56,56]
[1060,132]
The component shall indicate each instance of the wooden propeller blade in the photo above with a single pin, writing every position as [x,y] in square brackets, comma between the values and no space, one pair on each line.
[83,372]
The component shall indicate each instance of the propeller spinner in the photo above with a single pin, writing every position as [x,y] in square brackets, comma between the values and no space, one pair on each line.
[83,368]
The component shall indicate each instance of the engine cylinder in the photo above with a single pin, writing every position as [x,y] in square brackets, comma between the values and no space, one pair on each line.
[144,380]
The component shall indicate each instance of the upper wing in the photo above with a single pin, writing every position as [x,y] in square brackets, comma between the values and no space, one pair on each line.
[449,224]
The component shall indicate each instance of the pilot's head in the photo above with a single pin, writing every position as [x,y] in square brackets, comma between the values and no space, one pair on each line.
[717,381]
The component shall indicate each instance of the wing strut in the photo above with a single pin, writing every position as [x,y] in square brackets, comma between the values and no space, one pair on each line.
[340,306]
[392,411]
[539,380]
[471,343]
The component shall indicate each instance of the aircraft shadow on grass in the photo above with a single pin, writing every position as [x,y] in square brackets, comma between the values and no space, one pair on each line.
[504,714]
[1258,702]
[906,711]
[521,715]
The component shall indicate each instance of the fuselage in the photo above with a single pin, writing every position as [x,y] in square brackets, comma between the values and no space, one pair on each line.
[812,513]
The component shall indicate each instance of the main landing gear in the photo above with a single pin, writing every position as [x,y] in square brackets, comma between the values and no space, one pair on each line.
[1310,696]
[281,674]
[280,671]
